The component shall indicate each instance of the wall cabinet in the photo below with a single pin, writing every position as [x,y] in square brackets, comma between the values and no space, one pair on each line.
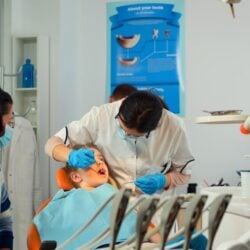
[33,103]
[24,98]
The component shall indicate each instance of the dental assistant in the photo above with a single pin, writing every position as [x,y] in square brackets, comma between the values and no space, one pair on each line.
[6,114]
[144,145]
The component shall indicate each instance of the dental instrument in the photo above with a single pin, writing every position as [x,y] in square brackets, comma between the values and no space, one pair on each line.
[231,4]
[168,215]
[193,213]
[170,208]
[144,215]
[216,212]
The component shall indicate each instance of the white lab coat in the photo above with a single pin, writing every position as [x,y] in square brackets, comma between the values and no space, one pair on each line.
[20,164]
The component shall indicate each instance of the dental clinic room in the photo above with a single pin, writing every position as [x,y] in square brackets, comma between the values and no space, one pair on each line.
[125,124]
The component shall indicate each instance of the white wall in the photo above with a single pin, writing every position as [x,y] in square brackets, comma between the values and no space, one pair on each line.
[218,55]
[217,74]
[82,57]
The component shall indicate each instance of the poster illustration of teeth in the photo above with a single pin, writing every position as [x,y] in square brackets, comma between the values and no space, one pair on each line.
[146,48]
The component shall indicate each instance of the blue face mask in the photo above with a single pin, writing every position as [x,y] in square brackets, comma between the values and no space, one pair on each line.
[124,136]
[6,138]
[121,132]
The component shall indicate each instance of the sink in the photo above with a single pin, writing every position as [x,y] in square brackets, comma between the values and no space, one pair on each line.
[236,220]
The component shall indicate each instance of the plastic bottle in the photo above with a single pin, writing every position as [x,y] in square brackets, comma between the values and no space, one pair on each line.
[27,74]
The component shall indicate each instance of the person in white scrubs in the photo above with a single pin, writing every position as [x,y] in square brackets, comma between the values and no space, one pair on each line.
[145,146]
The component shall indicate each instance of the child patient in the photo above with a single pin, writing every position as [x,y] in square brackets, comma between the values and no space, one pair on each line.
[70,210]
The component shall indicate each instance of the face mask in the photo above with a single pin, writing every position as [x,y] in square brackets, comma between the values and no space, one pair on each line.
[124,136]
[5,139]
[121,132]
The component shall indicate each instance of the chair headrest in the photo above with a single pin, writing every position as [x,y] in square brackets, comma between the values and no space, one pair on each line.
[63,180]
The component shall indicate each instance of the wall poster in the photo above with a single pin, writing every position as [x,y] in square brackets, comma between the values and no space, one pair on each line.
[146,48]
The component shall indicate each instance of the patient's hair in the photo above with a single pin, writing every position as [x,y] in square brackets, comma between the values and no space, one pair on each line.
[68,169]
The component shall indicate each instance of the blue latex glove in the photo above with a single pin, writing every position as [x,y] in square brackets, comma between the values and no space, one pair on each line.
[81,158]
[150,184]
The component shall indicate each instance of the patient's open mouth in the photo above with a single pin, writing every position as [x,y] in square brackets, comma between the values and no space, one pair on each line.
[101,171]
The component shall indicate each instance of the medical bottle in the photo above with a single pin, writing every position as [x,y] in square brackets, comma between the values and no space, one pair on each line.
[27,74]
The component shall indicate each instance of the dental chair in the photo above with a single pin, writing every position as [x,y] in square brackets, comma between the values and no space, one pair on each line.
[33,238]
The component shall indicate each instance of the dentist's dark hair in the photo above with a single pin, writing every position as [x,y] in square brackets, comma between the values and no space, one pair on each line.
[5,105]
[142,111]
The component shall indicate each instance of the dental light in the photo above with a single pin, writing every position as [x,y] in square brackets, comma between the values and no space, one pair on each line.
[231,4]
[245,127]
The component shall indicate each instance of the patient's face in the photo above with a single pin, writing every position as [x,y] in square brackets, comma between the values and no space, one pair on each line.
[97,174]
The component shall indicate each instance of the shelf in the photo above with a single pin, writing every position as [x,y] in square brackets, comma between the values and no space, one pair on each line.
[26,89]
[221,119]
